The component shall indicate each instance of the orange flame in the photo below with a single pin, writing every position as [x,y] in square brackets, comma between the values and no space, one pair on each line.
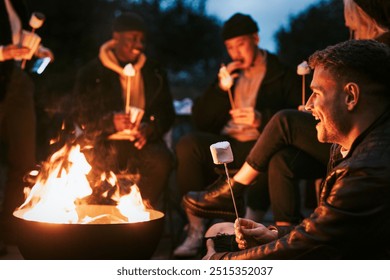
[53,197]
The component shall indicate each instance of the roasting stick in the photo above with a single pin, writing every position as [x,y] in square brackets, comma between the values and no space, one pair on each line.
[222,154]
[128,87]
[302,70]
[129,72]
[229,81]
[36,21]
[231,98]
[231,190]
[303,91]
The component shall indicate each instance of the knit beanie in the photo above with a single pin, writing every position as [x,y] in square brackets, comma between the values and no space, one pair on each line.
[238,25]
[129,21]
[379,10]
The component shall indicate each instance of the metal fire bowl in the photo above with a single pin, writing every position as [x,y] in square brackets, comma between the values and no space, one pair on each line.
[46,241]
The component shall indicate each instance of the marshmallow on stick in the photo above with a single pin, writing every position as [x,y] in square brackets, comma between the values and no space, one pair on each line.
[227,82]
[30,39]
[303,69]
[36,20]
[222,154]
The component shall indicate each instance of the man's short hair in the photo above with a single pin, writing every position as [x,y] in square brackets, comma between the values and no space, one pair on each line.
[238,25]
[365,62]
[129,21]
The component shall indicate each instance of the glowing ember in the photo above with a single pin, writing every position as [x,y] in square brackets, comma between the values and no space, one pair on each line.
[63,183]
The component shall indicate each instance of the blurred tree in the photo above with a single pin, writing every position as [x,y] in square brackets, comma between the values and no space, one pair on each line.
[315,28]
[181,37]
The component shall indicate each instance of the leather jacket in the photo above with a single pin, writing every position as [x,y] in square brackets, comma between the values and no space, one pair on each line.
[352,220]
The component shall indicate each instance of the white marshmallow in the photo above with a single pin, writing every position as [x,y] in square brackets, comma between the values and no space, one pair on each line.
[226,80]
[36,20]
[221,152]
[303,68]
[129,70]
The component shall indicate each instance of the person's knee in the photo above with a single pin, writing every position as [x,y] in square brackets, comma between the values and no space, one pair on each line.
[187,146]
[160,158]
[284,117]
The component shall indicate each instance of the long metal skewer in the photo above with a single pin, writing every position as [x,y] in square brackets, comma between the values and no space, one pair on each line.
[231,99]
[231,190]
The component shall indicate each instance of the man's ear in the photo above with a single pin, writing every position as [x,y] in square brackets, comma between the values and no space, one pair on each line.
[352,91]
[256,38]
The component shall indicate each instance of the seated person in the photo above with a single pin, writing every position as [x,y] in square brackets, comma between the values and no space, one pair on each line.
[17,112]
[236,108]
[101,96]
[350,102]
[288,148]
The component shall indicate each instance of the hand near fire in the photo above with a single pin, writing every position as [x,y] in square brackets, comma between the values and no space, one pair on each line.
[249,233]
[138,134]
[122,122]
[248,116]
[141,138]
[14,52]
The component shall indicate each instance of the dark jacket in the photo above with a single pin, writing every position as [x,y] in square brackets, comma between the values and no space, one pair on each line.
[352,220]
[280,89]
[98,95]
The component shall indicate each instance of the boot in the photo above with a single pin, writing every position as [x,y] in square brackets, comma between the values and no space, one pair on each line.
[216,201]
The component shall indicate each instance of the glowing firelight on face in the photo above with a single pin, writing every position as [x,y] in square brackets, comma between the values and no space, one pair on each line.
[52,198]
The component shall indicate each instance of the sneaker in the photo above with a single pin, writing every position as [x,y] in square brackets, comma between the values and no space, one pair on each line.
[191,245]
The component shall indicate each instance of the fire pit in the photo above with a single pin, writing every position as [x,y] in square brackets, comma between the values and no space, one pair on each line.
[73,213]
[101,238]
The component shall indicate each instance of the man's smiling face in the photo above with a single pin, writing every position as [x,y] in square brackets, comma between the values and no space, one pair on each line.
[327,105]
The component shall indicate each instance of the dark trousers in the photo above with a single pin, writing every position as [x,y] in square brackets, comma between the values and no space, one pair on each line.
[195,166]
[17,141]
[287,150]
